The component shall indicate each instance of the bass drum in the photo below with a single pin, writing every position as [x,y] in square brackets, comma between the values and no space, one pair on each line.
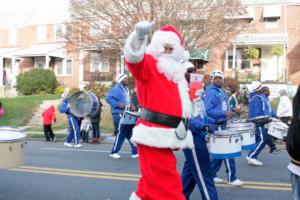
[83,103]
[11,148]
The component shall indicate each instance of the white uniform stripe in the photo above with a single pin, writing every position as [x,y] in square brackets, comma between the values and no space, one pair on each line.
[200,174]
[229,169]
[74,131]
[260,143]
[117,137]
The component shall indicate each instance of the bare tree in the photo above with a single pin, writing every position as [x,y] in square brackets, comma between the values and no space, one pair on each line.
[107,23]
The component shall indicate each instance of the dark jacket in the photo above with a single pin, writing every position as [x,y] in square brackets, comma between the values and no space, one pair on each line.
[293,136]
[96,116]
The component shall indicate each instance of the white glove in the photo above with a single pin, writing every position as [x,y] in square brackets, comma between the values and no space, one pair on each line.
[143,28]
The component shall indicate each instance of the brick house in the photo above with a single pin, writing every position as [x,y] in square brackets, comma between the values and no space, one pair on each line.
[38,42]
[269,24]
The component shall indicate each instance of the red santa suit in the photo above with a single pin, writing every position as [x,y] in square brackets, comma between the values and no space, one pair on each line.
[162,88]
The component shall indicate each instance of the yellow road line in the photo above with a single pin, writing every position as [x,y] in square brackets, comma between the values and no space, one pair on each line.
[268,183]
[80,171]
[74,174]
[135,177]
[255,187]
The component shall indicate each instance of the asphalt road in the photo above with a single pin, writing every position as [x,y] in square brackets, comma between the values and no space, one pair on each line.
[53,172]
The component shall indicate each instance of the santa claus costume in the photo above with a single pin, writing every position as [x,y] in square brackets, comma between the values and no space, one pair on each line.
[163,94]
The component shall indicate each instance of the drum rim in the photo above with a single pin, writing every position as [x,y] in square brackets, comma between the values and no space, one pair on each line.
[136,114]
[225,135]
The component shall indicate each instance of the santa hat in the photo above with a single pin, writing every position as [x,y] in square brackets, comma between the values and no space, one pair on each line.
[256,86]
[121,77]
[216,73]
[167,35]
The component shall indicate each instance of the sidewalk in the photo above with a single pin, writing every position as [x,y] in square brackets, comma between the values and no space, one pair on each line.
[104,137]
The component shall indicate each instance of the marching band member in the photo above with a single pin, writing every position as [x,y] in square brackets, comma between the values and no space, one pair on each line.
[118,98]
[74,131]
[258,107]
[216,105]
[197,169]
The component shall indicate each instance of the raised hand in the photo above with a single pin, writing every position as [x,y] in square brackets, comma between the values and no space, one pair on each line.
[143,28]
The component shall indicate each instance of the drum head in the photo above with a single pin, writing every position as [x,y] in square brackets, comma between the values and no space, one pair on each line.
[81,104]
[9,136]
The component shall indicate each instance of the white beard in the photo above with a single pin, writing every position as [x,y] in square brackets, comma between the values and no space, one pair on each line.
[171,67]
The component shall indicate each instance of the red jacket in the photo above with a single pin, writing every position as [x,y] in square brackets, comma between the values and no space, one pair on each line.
[49,115]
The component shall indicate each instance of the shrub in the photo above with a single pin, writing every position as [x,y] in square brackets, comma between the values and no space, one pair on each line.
[98,89]
[73,90]
[36,81]
[59,90]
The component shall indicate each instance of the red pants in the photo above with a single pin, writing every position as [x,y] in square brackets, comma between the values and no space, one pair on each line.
[160,179]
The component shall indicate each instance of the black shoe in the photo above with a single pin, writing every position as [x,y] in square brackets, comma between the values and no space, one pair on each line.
[275,151]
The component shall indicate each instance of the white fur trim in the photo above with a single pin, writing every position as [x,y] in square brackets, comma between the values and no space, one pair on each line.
[160,39]
[165,37]
[186,103]
[133,196]
[160,137]
[134,48]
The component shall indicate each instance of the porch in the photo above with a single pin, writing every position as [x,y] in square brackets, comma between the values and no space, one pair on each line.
[266,66]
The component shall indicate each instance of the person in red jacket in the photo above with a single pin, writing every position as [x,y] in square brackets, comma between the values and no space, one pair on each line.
[49,115]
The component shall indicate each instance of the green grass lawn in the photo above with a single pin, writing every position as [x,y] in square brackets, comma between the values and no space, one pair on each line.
[18,110]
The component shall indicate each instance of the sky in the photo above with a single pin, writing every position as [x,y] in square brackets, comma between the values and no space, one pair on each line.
[16,12]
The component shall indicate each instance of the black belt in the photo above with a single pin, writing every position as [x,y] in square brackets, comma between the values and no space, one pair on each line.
[162,119]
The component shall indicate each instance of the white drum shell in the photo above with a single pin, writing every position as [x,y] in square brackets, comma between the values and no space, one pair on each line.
[277,129]
[11,149]
[225,146]
[247,132]
[129,118]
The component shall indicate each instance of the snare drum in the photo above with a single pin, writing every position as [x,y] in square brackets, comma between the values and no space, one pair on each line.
[247,132]
[225,144]
[11,148]
[277,129]
[129,118]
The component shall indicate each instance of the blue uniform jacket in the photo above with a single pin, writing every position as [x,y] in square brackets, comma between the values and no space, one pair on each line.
[213,101]
[64,108]
[259,105]
[116,96]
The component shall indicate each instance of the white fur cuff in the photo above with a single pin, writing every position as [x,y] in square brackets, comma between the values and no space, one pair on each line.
[133,196]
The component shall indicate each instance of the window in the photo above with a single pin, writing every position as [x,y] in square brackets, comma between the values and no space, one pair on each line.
[63,66]
[241,60]
[95,59]
[12,36]
[104,65]
[60,31]
[69,67]
[41,33]
[99,64]
[272,23]
[59,66]
[39,62]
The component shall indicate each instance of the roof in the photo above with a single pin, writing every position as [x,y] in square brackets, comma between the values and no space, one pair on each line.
[200,54]
[8,52]
[55,50]
[262,38]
